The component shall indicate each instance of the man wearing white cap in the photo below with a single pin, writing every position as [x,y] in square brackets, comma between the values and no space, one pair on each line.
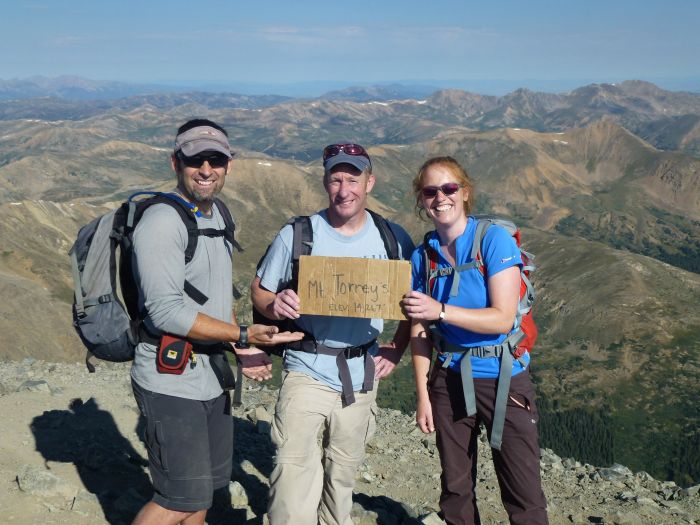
[188,306]
[329,376]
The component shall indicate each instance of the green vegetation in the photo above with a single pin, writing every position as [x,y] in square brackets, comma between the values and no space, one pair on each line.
[580,433]
[671,238]
[591,165]
[649,416]
[686,338]
[398,390]
[684,466]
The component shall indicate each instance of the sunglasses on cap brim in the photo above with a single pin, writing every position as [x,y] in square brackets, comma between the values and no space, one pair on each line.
[349,149]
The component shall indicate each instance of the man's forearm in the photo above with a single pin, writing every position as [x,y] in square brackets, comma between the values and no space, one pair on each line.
[206,328]
[262,299]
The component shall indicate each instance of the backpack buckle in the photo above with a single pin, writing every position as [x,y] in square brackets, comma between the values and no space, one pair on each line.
[106,298]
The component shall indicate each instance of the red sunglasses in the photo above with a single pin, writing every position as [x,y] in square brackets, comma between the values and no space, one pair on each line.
[447,189]
[348,149]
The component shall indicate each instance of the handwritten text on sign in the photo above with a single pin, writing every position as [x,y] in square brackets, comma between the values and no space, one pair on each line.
[353,287]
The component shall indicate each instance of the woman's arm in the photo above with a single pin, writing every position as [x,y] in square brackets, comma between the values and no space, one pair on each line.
[421,352]
[498,318]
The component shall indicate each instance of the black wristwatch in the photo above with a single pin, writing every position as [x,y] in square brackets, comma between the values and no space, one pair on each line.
[243,337]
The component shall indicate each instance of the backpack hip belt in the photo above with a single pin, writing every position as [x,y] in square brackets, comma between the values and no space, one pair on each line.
[505,351]
[341,357]
[510,344]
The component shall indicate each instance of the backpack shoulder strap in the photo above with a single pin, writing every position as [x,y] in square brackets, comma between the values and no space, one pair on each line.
[391,245]
[430,258]
[230,236]
[302,243]
[184,209]
[187,212]
[229,224]
[475,255]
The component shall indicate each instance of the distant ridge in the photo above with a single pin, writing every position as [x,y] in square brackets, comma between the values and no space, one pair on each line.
[74,88]
[395,114]
[380,93]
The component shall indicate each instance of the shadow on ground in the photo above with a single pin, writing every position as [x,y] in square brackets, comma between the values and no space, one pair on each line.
[108,465]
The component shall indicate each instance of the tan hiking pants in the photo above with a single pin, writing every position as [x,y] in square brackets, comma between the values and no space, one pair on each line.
[307,486]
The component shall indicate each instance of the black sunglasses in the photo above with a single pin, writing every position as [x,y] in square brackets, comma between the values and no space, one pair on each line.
[215,160]
[447,189]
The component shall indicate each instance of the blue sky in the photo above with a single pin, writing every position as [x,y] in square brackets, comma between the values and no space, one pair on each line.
[485,46]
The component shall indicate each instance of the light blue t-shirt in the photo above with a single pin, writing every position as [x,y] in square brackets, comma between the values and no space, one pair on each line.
[335,332]
[499,252]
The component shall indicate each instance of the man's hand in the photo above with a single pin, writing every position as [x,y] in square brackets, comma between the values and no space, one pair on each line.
[255,363]
[286,305]
[262,334]
[386,360]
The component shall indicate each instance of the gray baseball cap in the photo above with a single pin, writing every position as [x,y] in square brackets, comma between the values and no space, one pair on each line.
[202,138]
[359,161]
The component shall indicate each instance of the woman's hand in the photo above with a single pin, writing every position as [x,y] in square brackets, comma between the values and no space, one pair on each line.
[424,416]
[421,306]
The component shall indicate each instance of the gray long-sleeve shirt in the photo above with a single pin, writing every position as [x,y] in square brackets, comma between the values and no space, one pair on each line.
[160,240]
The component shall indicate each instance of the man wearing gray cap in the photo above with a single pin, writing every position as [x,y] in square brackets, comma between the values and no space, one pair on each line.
[329,376]
[180,375]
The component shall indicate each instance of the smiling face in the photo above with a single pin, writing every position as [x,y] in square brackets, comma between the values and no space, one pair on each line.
[347,189]
[446,174]
[447,202]
[201,178]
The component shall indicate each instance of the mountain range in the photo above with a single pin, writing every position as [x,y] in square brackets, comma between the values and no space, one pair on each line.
[603,179]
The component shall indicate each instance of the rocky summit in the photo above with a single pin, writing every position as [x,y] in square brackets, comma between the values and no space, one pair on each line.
[72,454]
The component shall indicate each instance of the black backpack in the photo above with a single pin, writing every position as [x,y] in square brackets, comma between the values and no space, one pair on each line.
[302,244]
[110,329]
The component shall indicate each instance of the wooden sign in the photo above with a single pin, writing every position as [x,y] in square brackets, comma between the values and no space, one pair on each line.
[353,287]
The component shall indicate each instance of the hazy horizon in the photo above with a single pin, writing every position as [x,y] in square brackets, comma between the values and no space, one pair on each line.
[315,88]
[296,48]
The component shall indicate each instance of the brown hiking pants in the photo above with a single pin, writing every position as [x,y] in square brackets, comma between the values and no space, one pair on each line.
[517,464]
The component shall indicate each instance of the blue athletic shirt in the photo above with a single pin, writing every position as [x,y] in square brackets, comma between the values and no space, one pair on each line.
[499,252]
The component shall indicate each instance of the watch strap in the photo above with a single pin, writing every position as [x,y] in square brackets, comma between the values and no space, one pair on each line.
[243,337]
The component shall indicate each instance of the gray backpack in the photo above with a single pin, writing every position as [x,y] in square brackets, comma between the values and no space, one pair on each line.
[109,323]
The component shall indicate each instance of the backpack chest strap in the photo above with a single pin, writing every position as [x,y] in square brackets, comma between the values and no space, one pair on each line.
[212,232]
[454,270]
